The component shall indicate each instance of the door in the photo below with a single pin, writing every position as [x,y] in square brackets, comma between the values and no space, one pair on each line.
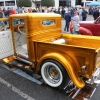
[6,45]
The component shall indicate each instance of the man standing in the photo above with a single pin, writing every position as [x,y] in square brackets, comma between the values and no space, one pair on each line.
[62,12]
[84,15]
[96,14]
[80,13]
[67,18]
[75,23]
[1,21]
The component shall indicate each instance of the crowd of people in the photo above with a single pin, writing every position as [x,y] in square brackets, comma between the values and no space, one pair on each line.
[70,14]
[74,15]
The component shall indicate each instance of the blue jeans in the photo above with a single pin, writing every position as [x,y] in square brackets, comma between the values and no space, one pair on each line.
[80,16]
[74,30]
[67,26]
[2,24]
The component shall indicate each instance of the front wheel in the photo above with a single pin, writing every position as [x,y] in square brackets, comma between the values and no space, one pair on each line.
[54,74]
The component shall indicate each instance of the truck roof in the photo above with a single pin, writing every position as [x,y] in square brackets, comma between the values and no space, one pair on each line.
[35,15]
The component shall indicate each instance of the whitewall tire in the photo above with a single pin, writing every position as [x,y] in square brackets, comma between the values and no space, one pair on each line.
[53,73]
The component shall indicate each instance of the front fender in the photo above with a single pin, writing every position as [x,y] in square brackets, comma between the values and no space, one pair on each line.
[68,64]
[84,31]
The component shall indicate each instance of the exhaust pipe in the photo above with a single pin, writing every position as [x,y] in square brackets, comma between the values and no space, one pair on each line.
[96,77]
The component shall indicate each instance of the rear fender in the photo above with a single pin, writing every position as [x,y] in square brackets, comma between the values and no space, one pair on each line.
[84,31]
[68,64]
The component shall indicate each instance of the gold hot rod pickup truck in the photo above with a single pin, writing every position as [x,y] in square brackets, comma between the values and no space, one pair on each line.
[61,59]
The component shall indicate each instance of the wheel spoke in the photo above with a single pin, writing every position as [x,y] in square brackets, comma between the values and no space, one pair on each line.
[52,74]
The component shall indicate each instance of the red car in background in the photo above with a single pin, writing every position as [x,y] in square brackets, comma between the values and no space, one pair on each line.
[89,27]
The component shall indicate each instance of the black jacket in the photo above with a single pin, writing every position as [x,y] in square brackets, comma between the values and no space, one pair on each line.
[67,17]
[96,14]
[84,13]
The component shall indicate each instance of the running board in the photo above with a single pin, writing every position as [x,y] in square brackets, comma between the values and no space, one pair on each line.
[21,65]
[23,69]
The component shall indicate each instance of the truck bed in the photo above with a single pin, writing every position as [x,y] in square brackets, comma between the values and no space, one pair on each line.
[83,41]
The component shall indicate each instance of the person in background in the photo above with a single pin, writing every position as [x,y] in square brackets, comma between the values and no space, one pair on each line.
[66,9]
[2,16]
[80,13]
[62,12]
[84,15]
[30,10]
[42,9]
[12,11]
[67,18]
[91,11]
[96,14]
[20,10]
[34,10]
[72,11]
[7,12]
[58,10]
[75,22]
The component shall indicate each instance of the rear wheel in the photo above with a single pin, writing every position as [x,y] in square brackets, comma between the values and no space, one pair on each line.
[54,74]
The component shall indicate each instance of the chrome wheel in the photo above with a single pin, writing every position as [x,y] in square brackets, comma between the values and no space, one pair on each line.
[51,74]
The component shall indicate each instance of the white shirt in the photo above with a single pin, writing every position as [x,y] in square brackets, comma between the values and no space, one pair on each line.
[75,20]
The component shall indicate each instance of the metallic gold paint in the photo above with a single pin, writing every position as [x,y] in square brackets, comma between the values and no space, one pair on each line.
[68,64]
[80,50]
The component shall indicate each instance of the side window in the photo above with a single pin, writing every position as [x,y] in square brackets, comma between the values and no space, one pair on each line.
[48,22]
[17,21]
[19,25]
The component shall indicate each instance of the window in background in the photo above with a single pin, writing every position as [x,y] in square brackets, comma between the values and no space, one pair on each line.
[9,3]
[2,3]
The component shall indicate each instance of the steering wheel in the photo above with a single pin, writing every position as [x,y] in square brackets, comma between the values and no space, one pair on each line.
[21,28]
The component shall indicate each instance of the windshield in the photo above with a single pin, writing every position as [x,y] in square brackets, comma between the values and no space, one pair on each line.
[97,21]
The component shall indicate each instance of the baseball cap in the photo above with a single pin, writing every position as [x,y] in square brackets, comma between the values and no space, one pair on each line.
[75,12]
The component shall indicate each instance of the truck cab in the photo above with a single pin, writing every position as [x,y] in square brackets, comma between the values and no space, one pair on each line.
[36,40]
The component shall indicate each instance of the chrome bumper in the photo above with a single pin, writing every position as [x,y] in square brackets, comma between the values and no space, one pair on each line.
[95,78]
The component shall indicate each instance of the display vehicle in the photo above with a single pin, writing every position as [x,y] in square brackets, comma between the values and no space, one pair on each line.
[35,41]
[90,27]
